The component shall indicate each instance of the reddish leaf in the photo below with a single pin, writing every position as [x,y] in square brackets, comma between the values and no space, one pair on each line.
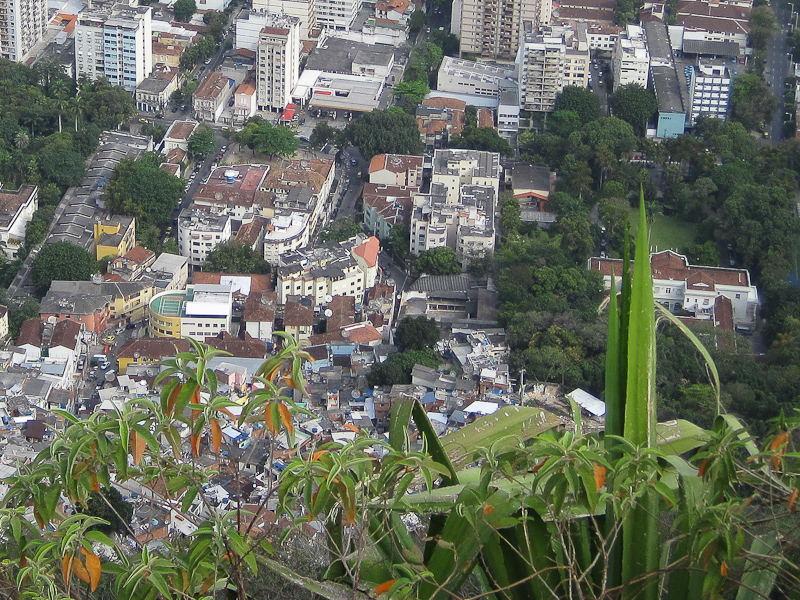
[93,567]
[488,509]
[779,446]
[80,571]
[216,434]
[39,520]
[23,560]
[540,465]
[793,499]
[66,567]
[384,587]
[286,417]
[173,398]
[137,446]
[317,454]
[195,441]
[723,569]
[268,418]
[94,484]
[702,469]
[599,476]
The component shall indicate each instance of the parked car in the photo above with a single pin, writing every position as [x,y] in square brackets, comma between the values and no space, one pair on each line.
[302,121]
[174,109]
[353,161]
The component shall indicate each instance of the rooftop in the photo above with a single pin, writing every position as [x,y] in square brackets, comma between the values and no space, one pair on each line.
[337,55]
[153,348]
[181,130]
[212,86]
[12,201]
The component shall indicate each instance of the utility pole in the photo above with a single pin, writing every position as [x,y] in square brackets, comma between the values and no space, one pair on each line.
[522,372]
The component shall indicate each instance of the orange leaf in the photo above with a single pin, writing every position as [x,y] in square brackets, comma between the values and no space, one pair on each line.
[779,441]
[317,454]
[793,499]
[286,417]
[94,568]
[702,469]
[273,374]
[779,446]
[599,476]
[488,509]
[94,484]
[23,560]
[39,520]
[94,451]
[384,587]
[137,446]
[195,440]
[540,465]
[173,398]
[66,567]
[268,418]
[723,569]
[225,410]
[80,570]
[216,434]
[208,582]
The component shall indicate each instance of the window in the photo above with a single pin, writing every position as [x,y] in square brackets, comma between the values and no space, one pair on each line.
[738,296]
[705,302]
[668,291]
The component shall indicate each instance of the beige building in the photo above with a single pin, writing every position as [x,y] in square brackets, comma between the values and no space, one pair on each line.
[153,93]
[16,210]
[277,62]
[22,24]
[492,28]
[212,96]
[396,169]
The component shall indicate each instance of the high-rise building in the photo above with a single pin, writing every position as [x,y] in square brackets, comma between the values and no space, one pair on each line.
[277,62]
[22,24]
[302,9]
[549,59]
[118,47]
[493,28]
[631,62]
[710,89]
[336,14]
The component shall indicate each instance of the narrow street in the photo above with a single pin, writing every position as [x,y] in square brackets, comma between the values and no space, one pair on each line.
[778,68]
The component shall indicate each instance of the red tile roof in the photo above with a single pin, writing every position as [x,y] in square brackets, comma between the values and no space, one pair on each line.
[66,333]
[31,332]
[369,251]
[361,333]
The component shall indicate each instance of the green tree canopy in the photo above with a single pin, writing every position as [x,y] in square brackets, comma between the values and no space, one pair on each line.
[61,261]
[384,131]
[414,91]
[634,104]
[481,138]
[579,100]
[416,334]
[752,103]
[141,189]
[438,261]
[235,257]
[397,368]
[63,166]
[263,137]
[763,25]
[340,230]
[323,134]
[109,505]
[184,10]
[417,21]
[202,142]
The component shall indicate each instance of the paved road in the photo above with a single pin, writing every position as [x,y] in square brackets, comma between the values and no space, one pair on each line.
[777,69]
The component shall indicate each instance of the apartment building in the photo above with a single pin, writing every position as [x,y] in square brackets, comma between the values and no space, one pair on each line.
[277,62]
[22,24]
[710,90]
[723,296]
[118,46]
[199,232]
[631,61]
[212,96]
[492,28]
[386,206]
[549,59]
[198,312]
[115,236]
[321,272]
[336,14]
[717,21]
[473,78]
[305,10]
[16,210]
[455,168]
[154,92]
[396,169]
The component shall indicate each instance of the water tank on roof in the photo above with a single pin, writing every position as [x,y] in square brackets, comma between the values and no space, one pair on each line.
[328,313]
[230,175]
[328,298]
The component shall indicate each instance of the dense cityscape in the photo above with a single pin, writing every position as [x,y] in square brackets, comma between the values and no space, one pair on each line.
[388,298]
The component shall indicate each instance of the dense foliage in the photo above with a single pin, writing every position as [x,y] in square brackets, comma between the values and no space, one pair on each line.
[61,261]
[416,334]
[262,137]
[397,368]
[437,261]
[141,189]
[634,104]
[384,132]
[202,142]
[235,257]
[340,230]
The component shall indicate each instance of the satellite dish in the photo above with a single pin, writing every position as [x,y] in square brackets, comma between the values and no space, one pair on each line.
[442,409]
[136,355]
[328,298]
[328,313]
[52,319]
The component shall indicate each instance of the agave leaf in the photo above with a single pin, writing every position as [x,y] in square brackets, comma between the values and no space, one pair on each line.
[761,570]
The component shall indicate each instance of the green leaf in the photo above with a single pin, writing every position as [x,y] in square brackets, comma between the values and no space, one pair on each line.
[398,423]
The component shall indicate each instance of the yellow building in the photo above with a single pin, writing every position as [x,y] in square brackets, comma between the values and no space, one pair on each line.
[200,311]
[114,237]
[129,299]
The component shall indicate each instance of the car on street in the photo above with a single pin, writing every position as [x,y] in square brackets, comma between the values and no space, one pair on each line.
[353,162]
[174,109]
[303,121]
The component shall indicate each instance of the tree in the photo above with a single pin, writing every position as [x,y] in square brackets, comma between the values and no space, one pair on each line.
[37,228]
[108,504]
[143,190]
[340,230]
[418,20]
[438,261]
[416,334]
[235,257]
[415,91]
[106,105]
[481,138]
[263,137]
[579,100]
[634,104]
[564,122]
[384,132]
[763,25]
[706,253]
[576,236]
[399,240]
[752,103]
[61,261]
[184,10]
[62,165]
[323,134]
[510,220]
[397,368]
[202,142]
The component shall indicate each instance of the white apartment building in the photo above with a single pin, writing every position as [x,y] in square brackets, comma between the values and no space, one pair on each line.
[712,294]
[198,312]
[118,47]
[348,269]
[277,62]
[302,9]
[474,78]
[549,59]
[199,232]
[710,90]
[336,14]
[16,210]
[454,168]
[631,62]
[492,28]
[22,24]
